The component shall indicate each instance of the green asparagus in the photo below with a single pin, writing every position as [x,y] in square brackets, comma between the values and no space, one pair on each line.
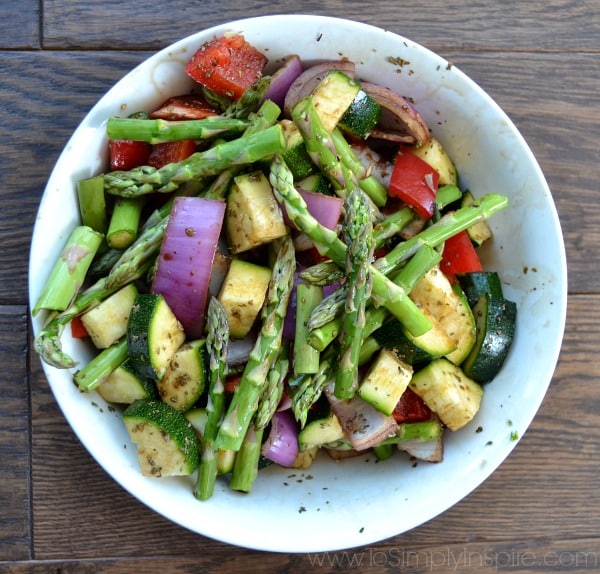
[245,399]
[216,346]
[240,151]
[159,131]
[358,232]
[328,243]
[69,271]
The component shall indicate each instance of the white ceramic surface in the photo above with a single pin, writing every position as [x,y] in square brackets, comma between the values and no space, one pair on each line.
[356,502]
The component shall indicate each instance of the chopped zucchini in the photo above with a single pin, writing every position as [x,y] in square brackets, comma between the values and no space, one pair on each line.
[167,444]
[305,458]
[197,418]
[185,378]
[153,334]
[319,432]
[107,322]
[479,283]
[361,116]
[126,385]
[435,294]
[295,156]
[496,320]
[436,342]
[253,215]
[318,183]
[391,335]
[435,155]
[385,381]
[479,232]
[448,392]
[243,294]
[332,96]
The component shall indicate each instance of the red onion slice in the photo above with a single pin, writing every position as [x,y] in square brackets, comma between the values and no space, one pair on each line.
[363,424]
[186,259]
[283,78]
[281,445]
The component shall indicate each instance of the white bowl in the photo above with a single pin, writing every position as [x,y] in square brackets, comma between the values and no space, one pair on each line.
[352,503]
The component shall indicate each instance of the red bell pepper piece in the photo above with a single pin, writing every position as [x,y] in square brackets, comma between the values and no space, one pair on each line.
[169,152]
[127,154]
[226,65]
[459,256]
[415,182]
[411,408]
[78,330]
[188,107]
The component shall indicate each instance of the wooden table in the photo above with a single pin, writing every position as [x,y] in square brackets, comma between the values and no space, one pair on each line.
[59,511]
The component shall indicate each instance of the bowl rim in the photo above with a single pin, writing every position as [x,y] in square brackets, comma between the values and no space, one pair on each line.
[134,485]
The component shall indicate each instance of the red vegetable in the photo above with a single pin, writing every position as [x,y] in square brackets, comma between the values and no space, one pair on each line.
[127,154]
[189,107]
[169,152]
[415,182]
[78,330]
[281,445]
[411,408]
[226,65]
[459,256]
[186,258]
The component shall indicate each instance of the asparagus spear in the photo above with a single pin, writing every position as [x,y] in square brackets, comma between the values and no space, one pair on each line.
[69,271]
[159,131]
[92,203]
[327,272]
[412,272]
[268,343]
[307,389]
[250,100]
[327,242]
[306,358]
[102,365]
[245,465]
[124,222]
[335,163]
[449,225]
[216,347]
[273,391]
[358,231]
[240,151]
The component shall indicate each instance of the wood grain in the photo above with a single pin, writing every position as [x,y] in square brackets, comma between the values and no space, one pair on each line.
[15,518]
[486,24]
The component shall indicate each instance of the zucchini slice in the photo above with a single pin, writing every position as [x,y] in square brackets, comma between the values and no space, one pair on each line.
[435,155]
[361,116]
[479,232]
[435,294]
[332,96]
[479,283]
[496,319]
[295,156]
[448,392]
[385,381]
[107,322]
[153,334]
[185,377]
[167,444]
[126,385]
[319,432]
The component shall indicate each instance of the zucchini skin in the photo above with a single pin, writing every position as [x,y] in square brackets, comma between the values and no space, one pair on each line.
[479,283]
[167,443]
[153,334]
[496,321]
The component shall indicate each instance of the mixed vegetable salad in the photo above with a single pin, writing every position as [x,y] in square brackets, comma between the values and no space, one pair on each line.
[276,264]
